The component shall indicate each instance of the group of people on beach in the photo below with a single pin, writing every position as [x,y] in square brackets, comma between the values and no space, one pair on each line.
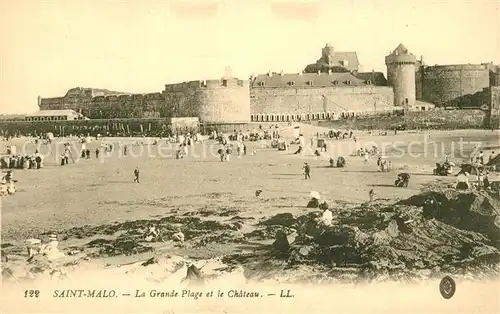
[185,142]
[22,162]
[226,150]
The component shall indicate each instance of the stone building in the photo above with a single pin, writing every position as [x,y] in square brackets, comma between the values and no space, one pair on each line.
[55,115]
[331,88]
[443,84]
[453,85]
[224,100]
[334,61]
[315,96]
[401,76]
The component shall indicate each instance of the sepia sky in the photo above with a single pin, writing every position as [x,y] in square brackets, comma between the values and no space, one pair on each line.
[49,46]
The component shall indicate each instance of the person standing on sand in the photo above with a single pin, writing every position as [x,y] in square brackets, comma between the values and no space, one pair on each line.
[481,157]
[307,171]
[136,174]
[125,150]
[491,156]
[97,153]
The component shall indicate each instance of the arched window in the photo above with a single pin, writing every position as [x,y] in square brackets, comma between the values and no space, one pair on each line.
[272,118]
[323,117]
[267,117]
[282,117]
[308,117]
[251,117]
[298,117]
[262,117]
[287,118]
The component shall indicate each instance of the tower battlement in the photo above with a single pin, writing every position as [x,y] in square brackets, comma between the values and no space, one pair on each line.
[401,76]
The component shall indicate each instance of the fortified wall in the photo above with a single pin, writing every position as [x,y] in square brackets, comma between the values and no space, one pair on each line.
[443,84]
[307,96]
[227,99]
[109,105]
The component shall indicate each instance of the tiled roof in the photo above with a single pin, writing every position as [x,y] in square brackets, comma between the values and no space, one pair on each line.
[338,61]
[350,56]
[377,78]
[306,80]
[324,68]
[49,113]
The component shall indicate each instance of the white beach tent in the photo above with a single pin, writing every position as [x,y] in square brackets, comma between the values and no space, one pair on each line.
[290,132]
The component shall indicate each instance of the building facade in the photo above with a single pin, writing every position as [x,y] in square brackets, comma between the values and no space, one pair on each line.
[335,61]
[308,96]
[55,115]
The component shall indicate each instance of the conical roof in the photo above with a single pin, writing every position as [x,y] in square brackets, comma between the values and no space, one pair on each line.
[400,50]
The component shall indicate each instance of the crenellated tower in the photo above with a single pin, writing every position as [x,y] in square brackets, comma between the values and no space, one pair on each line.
[401,76]
[328,54]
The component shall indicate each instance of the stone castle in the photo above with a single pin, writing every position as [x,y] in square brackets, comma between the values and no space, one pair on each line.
[330,88]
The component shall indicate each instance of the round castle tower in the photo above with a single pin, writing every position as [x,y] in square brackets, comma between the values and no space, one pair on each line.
[328,53]
[401,76]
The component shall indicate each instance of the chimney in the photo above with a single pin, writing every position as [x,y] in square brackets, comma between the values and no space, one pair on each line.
[39,100]
[319,72]
[301,72]
[329,71]
[270,73]
[281,72]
